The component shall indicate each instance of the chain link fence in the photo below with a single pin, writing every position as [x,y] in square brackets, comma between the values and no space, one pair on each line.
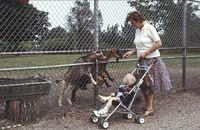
[45,37]
[70,26]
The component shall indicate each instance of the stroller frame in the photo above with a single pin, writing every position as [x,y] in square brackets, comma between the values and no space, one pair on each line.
[126,110]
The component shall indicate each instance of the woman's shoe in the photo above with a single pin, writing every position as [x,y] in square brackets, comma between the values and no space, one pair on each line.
[148,113]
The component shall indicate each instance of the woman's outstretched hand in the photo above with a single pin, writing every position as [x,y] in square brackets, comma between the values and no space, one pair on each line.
[129,53]
[143,55]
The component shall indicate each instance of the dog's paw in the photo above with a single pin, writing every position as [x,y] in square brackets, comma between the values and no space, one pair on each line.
[111,79]
[69,101]
[59,103]
[94,82]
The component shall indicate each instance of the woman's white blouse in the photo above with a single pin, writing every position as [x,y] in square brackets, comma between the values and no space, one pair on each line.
[145,38]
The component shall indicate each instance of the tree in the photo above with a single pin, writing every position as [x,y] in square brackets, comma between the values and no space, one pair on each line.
[112,37]
[128,34]
[81,22]
[57,32]
[20,22]
[57,39]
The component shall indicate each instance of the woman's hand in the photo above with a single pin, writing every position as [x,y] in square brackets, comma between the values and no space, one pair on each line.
[129,53]
[144,55]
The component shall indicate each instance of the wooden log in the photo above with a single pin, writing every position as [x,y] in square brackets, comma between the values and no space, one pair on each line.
[22,111]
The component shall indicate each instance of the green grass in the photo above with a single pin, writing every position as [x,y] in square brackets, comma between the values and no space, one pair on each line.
[55,59]
[36,60]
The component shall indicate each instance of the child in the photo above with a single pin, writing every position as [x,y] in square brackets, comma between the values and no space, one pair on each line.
[123,91]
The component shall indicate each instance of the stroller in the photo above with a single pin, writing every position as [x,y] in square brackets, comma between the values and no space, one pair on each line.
[124,106]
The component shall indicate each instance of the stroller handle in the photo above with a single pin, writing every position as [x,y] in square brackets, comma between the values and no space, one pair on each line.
[141,61]
[155,60]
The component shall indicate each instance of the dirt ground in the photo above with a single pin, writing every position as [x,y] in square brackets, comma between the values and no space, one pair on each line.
[176,111]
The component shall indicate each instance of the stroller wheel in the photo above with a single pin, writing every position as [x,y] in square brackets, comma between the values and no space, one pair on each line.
[139,120]
[128,116]
[94,119]
[104,124]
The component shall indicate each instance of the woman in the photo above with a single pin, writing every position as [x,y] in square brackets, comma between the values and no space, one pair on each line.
[147,42]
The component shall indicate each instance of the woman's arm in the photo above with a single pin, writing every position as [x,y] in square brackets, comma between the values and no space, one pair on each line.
[155,46]
[129,53]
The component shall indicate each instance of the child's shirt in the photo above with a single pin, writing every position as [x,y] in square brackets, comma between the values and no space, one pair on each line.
[123,90]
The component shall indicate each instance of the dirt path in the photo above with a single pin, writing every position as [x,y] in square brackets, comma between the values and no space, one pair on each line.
[178,111]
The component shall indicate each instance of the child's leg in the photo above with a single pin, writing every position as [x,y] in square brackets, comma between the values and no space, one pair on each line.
[103,98]
[107,106]
[109,102]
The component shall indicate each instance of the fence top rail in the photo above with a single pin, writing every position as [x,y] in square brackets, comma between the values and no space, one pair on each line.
[194,1]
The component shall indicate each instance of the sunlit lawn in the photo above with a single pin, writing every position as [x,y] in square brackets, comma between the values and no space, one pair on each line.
[47,60]
[36,60]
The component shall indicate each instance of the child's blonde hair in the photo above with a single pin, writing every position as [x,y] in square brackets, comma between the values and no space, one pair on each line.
[129,79]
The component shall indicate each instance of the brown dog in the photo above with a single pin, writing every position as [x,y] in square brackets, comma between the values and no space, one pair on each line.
[102,71]
[78,76]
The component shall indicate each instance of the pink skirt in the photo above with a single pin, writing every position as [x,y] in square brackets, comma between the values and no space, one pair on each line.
[158,77]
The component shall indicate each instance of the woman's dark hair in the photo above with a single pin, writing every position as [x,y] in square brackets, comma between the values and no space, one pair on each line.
[135,15]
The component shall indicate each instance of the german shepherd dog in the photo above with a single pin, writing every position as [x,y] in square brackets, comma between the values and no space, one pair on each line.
[103,74]
[77,77]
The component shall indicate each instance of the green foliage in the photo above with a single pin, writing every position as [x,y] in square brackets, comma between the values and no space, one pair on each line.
[26,45]
[54,40]
[111,38]
[128,33]
[81,17]
[81,23]
[20,22]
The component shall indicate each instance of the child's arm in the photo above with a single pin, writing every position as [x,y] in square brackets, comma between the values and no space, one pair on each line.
[126,91]
[113,94]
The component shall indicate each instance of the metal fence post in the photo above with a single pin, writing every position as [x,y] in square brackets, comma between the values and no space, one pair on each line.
[184,44]
[96,42]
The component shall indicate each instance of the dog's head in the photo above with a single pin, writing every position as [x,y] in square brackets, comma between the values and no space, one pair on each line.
[106,55]
[116,53]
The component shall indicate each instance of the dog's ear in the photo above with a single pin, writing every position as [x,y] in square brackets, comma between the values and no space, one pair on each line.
[100,55]
[113,49]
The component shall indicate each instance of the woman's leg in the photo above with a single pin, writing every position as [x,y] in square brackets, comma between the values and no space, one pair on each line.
[148,104]
[149,101]
[148,97]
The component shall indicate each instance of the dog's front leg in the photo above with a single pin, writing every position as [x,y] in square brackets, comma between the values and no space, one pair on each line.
[92,79]
[107,84]
[109,77]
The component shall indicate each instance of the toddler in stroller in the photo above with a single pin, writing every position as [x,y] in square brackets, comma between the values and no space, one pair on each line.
[124,98]
[123,91]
